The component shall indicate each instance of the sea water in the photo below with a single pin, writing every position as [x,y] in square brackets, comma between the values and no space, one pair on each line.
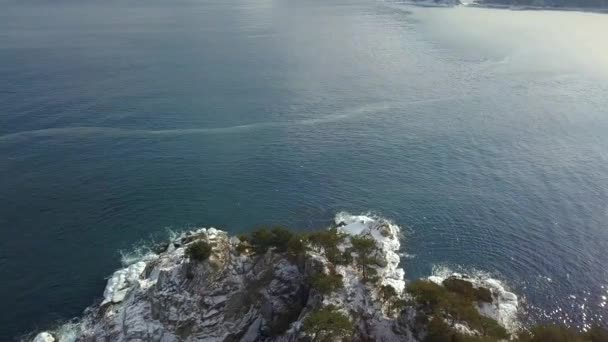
[483,133]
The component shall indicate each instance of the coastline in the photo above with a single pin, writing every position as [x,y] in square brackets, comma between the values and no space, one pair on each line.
[243,293]
[538,8]
[458,3]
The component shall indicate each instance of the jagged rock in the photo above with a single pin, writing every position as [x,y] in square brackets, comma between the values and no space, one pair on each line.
[239,297]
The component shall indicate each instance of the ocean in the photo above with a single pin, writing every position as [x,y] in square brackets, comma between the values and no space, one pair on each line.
[482,133]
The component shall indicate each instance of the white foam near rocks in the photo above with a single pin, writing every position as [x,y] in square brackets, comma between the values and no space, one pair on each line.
[353,224]
[505,306]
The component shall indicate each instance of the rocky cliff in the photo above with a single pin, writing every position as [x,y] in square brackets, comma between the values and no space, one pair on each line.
[243,293]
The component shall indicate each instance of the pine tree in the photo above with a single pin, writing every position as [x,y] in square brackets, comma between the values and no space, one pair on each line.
[327,324]
[365,247]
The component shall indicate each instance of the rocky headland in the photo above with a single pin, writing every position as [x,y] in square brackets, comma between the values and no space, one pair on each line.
[343,283]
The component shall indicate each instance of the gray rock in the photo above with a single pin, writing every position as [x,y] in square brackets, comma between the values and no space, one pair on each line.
[233,297]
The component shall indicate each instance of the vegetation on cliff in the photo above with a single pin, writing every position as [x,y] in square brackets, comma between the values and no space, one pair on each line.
[199,251]
[328,324]
[444,308]
[326,283]
[447,312]
[329,285]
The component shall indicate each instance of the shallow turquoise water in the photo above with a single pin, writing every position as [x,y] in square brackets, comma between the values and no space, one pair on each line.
[482,133]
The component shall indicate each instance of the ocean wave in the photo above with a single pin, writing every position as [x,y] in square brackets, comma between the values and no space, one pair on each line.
[137,254]
[366,217]
[147,249]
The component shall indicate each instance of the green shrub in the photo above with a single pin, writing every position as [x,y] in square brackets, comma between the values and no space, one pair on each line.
[489,327]
[466,289]
[346,258]
[462,309]
[296,246]
[328,240]
[363,244]
[263,239]
[439,331]
[326,283]
[427,293]
[280,238]
[387,293]
[242,247]
[244,238]
[459,308]
[327,324]
[260,240]
[398,305]
[462,287]
[456,305]
[389,296]
[198,251]
[334,256]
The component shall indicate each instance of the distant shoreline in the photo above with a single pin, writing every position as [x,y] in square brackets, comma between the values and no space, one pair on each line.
[456,3]
[538,8]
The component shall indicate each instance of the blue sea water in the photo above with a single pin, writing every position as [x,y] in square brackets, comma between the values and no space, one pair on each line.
[484,133]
